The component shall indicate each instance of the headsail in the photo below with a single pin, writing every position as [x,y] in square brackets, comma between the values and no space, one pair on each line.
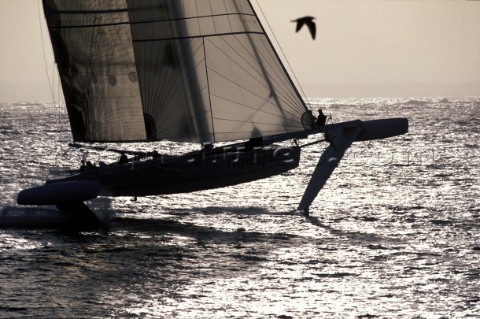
[185,70]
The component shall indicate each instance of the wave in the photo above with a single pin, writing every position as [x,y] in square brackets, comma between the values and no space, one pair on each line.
[36,217]
[21,217]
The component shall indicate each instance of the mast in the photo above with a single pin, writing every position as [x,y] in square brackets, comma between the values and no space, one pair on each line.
[196,105]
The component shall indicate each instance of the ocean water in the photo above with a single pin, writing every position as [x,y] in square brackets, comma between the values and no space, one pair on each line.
[395,233]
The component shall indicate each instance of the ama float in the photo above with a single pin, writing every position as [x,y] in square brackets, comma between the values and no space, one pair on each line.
[189,71]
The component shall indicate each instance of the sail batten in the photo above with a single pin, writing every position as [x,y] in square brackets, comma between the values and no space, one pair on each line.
[185,70]
[195,36]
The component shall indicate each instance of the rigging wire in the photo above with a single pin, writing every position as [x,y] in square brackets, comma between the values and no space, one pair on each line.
[43,50]
[283,53]
[51,83]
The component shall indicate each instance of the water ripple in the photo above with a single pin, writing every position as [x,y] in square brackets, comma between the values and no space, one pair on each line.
[393,235]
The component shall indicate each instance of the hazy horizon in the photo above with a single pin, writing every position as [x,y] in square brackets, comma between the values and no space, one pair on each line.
[362,49]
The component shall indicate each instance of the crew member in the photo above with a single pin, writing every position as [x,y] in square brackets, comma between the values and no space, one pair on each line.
[321,118]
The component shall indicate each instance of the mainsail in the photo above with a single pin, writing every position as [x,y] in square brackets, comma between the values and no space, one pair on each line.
[182,70]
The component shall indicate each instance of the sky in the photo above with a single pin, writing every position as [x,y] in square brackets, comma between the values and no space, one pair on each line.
[363,48]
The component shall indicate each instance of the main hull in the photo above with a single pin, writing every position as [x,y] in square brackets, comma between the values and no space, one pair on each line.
[192,172]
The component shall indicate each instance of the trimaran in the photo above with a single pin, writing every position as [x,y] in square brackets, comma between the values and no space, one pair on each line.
[201,71]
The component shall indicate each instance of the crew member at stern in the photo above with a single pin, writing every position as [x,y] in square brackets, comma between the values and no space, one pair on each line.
[321,118]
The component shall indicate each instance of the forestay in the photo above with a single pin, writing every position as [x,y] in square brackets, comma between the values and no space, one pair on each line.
[184,70]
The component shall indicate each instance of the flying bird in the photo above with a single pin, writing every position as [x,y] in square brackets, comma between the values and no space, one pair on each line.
[308,20]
